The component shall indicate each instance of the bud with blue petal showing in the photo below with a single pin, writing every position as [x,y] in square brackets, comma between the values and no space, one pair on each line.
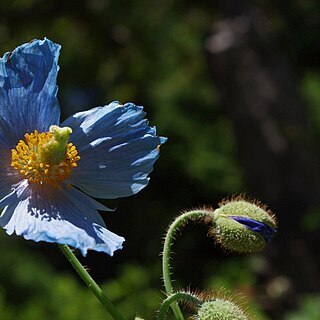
[243,226]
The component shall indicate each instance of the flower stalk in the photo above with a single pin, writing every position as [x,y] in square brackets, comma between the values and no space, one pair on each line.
[168,242]
[93,286]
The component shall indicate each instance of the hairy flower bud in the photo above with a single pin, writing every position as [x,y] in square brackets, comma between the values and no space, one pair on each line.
[243,226]
[221,309]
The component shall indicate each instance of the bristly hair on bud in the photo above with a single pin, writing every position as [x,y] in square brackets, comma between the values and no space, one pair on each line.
[243,225]
[222,306]
[245,198]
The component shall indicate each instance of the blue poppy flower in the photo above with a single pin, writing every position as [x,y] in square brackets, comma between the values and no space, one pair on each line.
[49,171]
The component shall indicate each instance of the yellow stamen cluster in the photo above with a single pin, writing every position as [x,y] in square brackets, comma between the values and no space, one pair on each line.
[28,160]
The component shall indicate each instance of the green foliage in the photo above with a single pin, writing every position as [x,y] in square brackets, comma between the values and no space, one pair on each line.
[311,92]
[309,309]
[133,291]
[31,290]
[311,221]
[232,274]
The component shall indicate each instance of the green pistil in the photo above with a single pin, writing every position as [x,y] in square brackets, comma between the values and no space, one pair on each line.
[54,151]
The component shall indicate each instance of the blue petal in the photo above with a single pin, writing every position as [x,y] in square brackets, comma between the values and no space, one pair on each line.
[265,231]
[117,148]
[9,176]
[64,216]
[28,90]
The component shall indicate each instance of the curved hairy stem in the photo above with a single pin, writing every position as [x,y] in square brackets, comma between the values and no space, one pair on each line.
[174,298]
[170,236]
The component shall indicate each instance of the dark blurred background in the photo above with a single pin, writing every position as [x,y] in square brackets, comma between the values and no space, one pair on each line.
[235,85]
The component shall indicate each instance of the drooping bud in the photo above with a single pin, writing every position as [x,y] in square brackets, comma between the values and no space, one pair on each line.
[221,309]
[243,226]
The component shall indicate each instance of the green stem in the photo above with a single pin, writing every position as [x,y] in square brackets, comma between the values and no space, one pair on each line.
[82,272]
[170,236]
[174,298]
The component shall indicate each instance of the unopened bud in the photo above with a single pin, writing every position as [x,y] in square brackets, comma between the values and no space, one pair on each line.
[243,226]
[220,309]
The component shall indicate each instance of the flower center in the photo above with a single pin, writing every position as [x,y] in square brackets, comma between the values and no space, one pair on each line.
[45,157]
